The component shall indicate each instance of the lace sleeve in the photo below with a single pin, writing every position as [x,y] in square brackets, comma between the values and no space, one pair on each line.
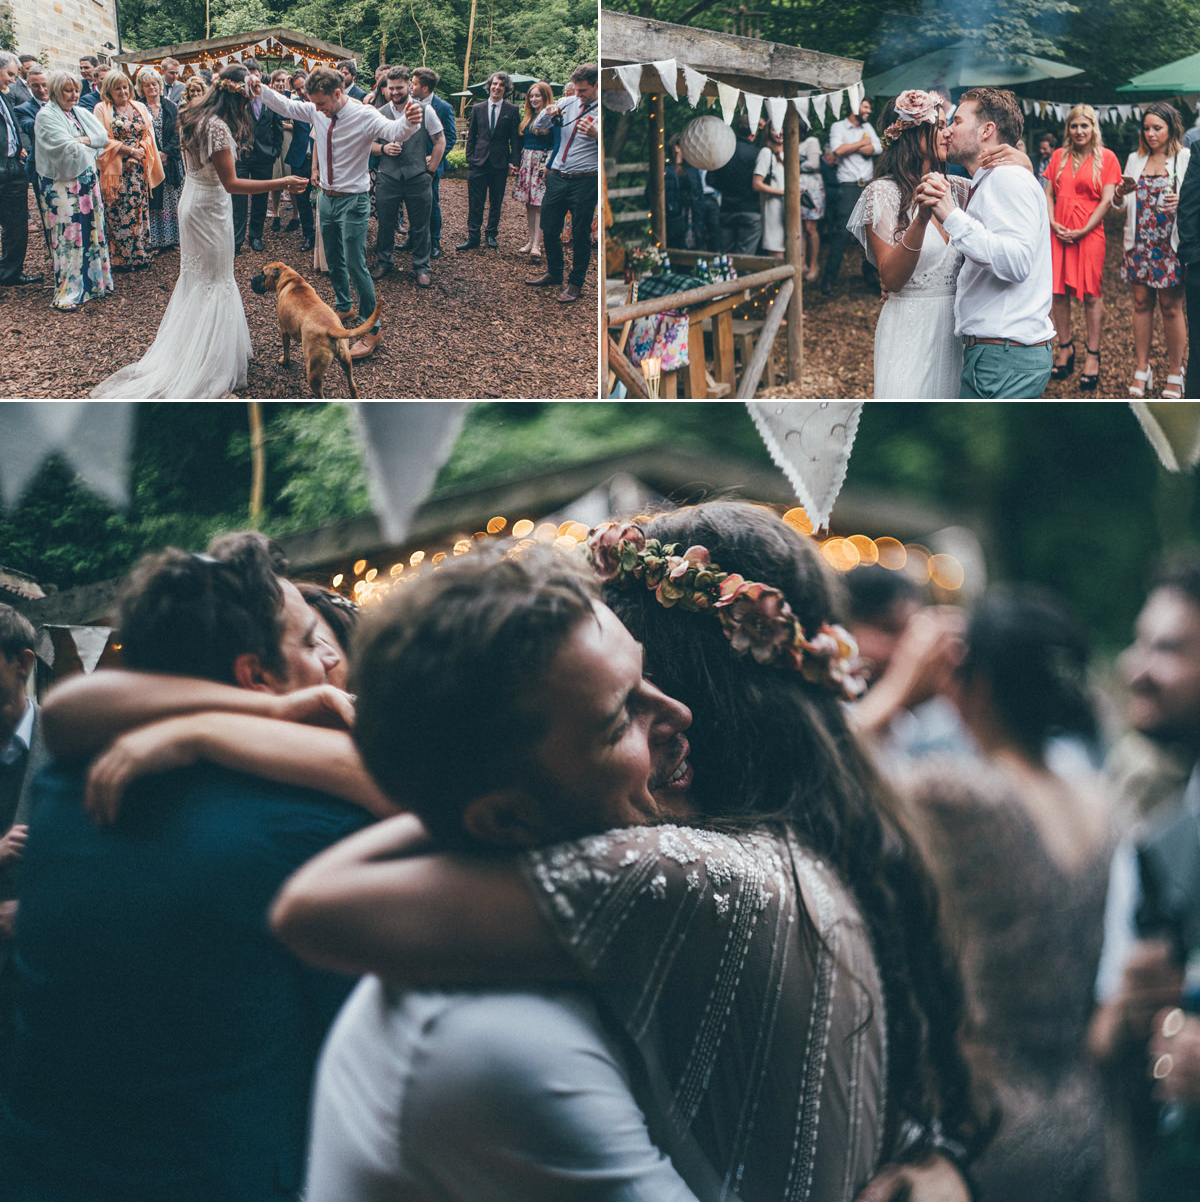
[219,137]
[876,210]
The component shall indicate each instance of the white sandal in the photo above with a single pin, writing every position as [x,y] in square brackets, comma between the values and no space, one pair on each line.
[1147,379]
[1173,390]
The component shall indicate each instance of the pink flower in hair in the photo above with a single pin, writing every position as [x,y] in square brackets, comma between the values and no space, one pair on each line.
[605,548]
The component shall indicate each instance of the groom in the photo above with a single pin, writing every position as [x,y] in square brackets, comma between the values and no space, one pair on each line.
[344,130]
[1002,310]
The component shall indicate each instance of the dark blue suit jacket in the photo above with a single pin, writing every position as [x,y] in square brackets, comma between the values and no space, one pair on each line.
[26,116]
[166,1041]
[445,114]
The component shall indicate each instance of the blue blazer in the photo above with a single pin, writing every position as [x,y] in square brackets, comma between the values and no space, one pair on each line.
[445,114]
[167,1039]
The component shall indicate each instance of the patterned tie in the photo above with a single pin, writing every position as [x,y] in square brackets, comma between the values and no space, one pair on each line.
[329,149]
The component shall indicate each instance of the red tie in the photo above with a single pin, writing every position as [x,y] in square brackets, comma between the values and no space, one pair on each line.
[574,128]
[329,149]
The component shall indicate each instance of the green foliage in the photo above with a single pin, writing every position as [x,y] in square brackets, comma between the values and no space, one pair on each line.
[241,16]
[456,160]
[8,30]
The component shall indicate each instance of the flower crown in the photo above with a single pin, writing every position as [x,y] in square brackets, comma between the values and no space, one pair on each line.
[231,85]
[755,617]
[913,108]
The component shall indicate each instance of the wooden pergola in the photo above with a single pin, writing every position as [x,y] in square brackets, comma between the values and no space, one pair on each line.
[761,67]
[285,45]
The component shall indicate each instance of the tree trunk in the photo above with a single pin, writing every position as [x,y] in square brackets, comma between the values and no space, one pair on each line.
[462,104]
[258,462]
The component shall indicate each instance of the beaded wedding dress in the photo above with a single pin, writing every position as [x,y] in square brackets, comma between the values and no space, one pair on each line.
[203,342]
[917,355]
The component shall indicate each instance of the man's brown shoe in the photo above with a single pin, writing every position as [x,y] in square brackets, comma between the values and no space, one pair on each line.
[345,317]
[380,270]
[423,280]
[569,293]
[365,345]
[545,280]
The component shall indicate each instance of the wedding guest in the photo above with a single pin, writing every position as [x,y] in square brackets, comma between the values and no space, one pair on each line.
[1188,225]
[682,197]
[854,143]
[493,154]
[424,81]
[68,139]
[279,81]
[812,188]
[537,148]
[1047,144]
[740,220]
[1080,181]
[572,186]
[14,183]
[299,159]
[194,88]
[18,91]
[768,183]
[256,161]
[1154,173]
[87,68]
[89,100]
[164,200]
[172,84]
[349,70]
[130,169]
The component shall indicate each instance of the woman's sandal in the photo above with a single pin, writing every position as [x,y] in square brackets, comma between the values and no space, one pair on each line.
[1088,383]
[1147,379]
[1060,371]
[1173,390]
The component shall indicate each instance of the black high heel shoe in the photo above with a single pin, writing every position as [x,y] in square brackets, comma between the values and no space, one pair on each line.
[1061,371]
[1088,383]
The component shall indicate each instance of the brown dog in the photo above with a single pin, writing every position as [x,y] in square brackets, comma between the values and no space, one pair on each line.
[304,315]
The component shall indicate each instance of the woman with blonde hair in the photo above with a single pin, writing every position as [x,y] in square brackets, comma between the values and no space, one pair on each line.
[537,149]
[194,88]
[1080,181]
[1155,173]
[130,169]
[164,200]
[67,139]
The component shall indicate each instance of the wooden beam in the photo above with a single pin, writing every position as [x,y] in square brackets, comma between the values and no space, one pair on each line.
[658,168]
[724,367]
[762,351]
[697,296]
[770,68]
[217,45]
[793,241]
[629,375]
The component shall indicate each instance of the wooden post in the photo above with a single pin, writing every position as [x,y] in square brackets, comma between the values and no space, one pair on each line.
[762,351]
[658,168]
[258,461]
[723,365]
[462,104]
[793,241]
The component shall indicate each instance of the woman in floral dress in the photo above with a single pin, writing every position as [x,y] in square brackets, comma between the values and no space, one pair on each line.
[130,169]
[67,139]
[164,200]
[536,150]
[1154,172]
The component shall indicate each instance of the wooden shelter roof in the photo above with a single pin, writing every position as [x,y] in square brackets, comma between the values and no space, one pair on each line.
[280,41]
[766,68]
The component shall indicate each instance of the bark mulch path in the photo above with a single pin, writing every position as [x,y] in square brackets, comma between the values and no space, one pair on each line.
[478,332]
[839,335]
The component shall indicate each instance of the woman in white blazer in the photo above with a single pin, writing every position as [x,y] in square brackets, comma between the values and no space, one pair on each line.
[1155,173]
[68,138]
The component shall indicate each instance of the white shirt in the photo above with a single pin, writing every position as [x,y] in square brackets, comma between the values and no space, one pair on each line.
[1006,284]
[356,127]
[18,745]
[478,1096]
[856,166]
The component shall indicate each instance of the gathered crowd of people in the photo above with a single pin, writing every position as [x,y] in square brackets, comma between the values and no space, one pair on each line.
[977,264]
[122,168]
[734,901]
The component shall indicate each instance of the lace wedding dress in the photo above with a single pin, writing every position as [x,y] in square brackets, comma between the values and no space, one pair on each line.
[917,355]
[203,342]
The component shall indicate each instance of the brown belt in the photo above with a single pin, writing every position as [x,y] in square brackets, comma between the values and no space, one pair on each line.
[971,340]
[331,192]
[574,174]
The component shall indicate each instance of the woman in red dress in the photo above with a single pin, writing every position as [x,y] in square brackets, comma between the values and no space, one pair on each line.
[1080,182]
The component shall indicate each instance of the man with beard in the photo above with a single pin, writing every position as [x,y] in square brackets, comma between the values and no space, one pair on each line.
[1152,919]
[1002,306]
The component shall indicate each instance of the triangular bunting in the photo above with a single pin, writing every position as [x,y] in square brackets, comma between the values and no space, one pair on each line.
[819,104]
[668,71]
[800,104]
[693,82]
[835,102]
[729,97]
[631,78]
[811,442]
[856,93]
[1173,428]
[776,107]
[754,105]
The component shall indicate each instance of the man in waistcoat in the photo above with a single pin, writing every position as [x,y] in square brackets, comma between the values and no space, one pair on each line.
[21,755]
[405,176]
[424,81]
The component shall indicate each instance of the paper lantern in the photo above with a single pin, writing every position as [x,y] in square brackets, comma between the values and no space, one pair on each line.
[707,143]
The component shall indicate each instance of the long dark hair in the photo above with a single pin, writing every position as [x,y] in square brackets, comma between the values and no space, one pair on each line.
[771,748]
[230,107]
[904,159]
[1032,659]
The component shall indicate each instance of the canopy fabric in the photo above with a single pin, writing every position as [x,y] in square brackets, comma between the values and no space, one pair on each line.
[1181,76]
[965,65]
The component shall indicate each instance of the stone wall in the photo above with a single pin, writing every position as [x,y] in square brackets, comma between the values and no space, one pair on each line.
[59,31]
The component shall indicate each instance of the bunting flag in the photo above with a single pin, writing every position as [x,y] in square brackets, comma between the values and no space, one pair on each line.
[729,98]
[1173,428]
[667,71]
[801,103]
[835,103]
[95,438]
[631,79]
[856,92]
[776,107]
[810,441]
[405,444]
[818,108]
[753,110]
[693,82]
[1057,110]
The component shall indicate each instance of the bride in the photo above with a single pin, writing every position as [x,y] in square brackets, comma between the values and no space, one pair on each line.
[203,342]
[917,355]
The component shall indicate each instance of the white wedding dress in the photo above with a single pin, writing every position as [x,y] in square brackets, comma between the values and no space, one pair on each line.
[203,342]
[917,355]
